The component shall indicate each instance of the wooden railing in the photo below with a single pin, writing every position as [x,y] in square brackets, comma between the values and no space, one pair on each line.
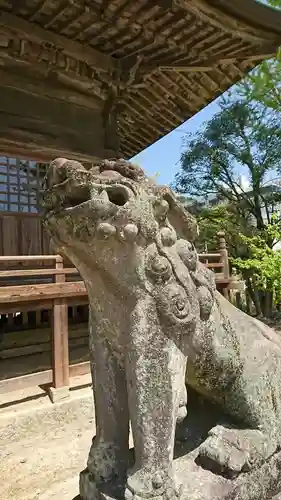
[21,292]
[219,263]
[55,296]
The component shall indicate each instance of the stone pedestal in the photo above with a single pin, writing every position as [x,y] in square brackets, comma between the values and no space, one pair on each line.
[200,484]
[58,394]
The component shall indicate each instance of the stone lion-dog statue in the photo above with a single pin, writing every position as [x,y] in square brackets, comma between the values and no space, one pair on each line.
[156,321]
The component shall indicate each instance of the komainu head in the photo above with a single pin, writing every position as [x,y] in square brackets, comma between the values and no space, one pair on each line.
[113,219]
[112,203]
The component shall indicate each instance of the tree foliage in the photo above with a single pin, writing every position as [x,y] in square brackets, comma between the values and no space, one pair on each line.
[240,137]
[212,220]
[264,83]
[263,266]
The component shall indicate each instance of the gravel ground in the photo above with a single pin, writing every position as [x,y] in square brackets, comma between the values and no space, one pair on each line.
[33,468]
[45,446]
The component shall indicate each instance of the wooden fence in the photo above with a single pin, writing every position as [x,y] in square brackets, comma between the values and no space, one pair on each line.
[55,295]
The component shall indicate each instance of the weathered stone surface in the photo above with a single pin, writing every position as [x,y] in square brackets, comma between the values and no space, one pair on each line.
[260,484]
[156,318]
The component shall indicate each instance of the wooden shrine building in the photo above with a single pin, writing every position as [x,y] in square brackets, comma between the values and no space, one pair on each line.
[100,78]
[91,79]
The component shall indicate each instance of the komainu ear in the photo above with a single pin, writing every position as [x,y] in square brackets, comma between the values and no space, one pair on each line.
[182,221]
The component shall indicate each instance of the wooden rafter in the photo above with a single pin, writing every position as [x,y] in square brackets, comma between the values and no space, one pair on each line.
[218,17]
[30,31]
[151,65]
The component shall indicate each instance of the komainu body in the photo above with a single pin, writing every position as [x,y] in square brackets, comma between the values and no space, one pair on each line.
[157,321]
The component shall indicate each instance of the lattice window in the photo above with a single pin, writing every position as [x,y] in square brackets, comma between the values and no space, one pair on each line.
[20,184]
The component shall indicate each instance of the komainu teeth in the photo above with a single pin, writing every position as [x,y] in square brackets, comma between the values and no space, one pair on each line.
[93,191]
[103,195]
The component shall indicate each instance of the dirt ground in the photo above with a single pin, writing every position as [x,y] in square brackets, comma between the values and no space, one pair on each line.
[32,468]
[44,446]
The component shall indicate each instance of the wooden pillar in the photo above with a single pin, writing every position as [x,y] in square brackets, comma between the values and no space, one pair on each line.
[25,318]
[60,354]
[38,318]
[10,320]
[225,263]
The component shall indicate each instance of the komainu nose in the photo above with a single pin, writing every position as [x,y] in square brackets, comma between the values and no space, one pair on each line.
[56,172]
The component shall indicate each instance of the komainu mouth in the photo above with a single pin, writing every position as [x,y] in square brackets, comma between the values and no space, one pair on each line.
[157,321]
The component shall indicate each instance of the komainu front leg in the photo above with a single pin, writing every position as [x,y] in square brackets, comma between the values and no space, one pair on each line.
[229,451]
[109,453]
[182,410]
[155,374]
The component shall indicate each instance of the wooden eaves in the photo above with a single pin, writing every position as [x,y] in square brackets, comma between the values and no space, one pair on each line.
[147,66]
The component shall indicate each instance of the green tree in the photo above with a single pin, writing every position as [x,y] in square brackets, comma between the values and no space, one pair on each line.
[262,267]
[264,83]
[241,137]
[214,219]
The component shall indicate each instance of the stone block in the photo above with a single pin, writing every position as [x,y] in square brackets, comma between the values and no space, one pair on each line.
[58,394]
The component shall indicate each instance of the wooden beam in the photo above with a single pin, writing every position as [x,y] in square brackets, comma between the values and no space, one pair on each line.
[188,68]
[25,381]
[30,31]
[181,67]
[205,64]
[211,265]
[63,82]
[29,293]
[42,128]
[27,78]
[204,256]
[251,12]
[218,17]
[80,369]
[19,148]
[27,350]
[37,272]
[27,258]
[41,378]
[13,307]
[40,305]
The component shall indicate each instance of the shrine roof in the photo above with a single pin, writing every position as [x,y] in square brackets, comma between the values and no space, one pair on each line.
[156,62]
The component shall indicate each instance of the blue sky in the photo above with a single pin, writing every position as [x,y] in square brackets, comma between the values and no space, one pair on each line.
[163,156]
